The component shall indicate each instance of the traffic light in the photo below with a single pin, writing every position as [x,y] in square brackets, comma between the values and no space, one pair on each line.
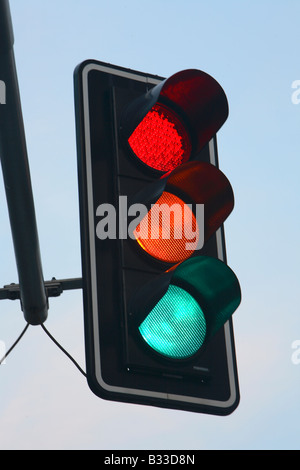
[158,294]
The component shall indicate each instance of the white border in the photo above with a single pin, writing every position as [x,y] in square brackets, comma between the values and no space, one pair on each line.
[91,211]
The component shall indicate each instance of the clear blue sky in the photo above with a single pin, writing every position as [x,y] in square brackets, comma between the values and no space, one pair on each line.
[250,47]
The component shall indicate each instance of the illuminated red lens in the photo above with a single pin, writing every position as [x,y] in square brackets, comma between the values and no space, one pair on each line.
[161,140]
[170,231]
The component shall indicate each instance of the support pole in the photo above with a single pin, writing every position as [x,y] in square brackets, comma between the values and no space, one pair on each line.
[17,181]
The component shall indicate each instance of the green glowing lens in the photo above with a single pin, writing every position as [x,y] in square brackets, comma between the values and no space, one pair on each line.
[176,326]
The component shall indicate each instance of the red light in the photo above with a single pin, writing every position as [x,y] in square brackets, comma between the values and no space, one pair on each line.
[168,229]
[161,140]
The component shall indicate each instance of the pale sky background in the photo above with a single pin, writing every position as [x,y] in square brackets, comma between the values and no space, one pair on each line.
[251,48]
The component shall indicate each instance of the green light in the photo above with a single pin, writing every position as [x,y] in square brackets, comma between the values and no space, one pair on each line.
[176,326]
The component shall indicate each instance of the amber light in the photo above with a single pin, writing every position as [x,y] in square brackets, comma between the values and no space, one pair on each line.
[161,140]
[168,229]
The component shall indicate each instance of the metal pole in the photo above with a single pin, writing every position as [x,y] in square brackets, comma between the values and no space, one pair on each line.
[17,181]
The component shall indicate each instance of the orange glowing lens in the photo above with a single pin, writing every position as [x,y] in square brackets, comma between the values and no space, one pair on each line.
[169,232]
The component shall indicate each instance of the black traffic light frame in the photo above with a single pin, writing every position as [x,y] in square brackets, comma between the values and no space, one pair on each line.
[112,269]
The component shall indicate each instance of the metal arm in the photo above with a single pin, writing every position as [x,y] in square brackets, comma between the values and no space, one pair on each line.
[54,288]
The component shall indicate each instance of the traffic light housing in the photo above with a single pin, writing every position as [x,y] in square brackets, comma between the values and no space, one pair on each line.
[158,294]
